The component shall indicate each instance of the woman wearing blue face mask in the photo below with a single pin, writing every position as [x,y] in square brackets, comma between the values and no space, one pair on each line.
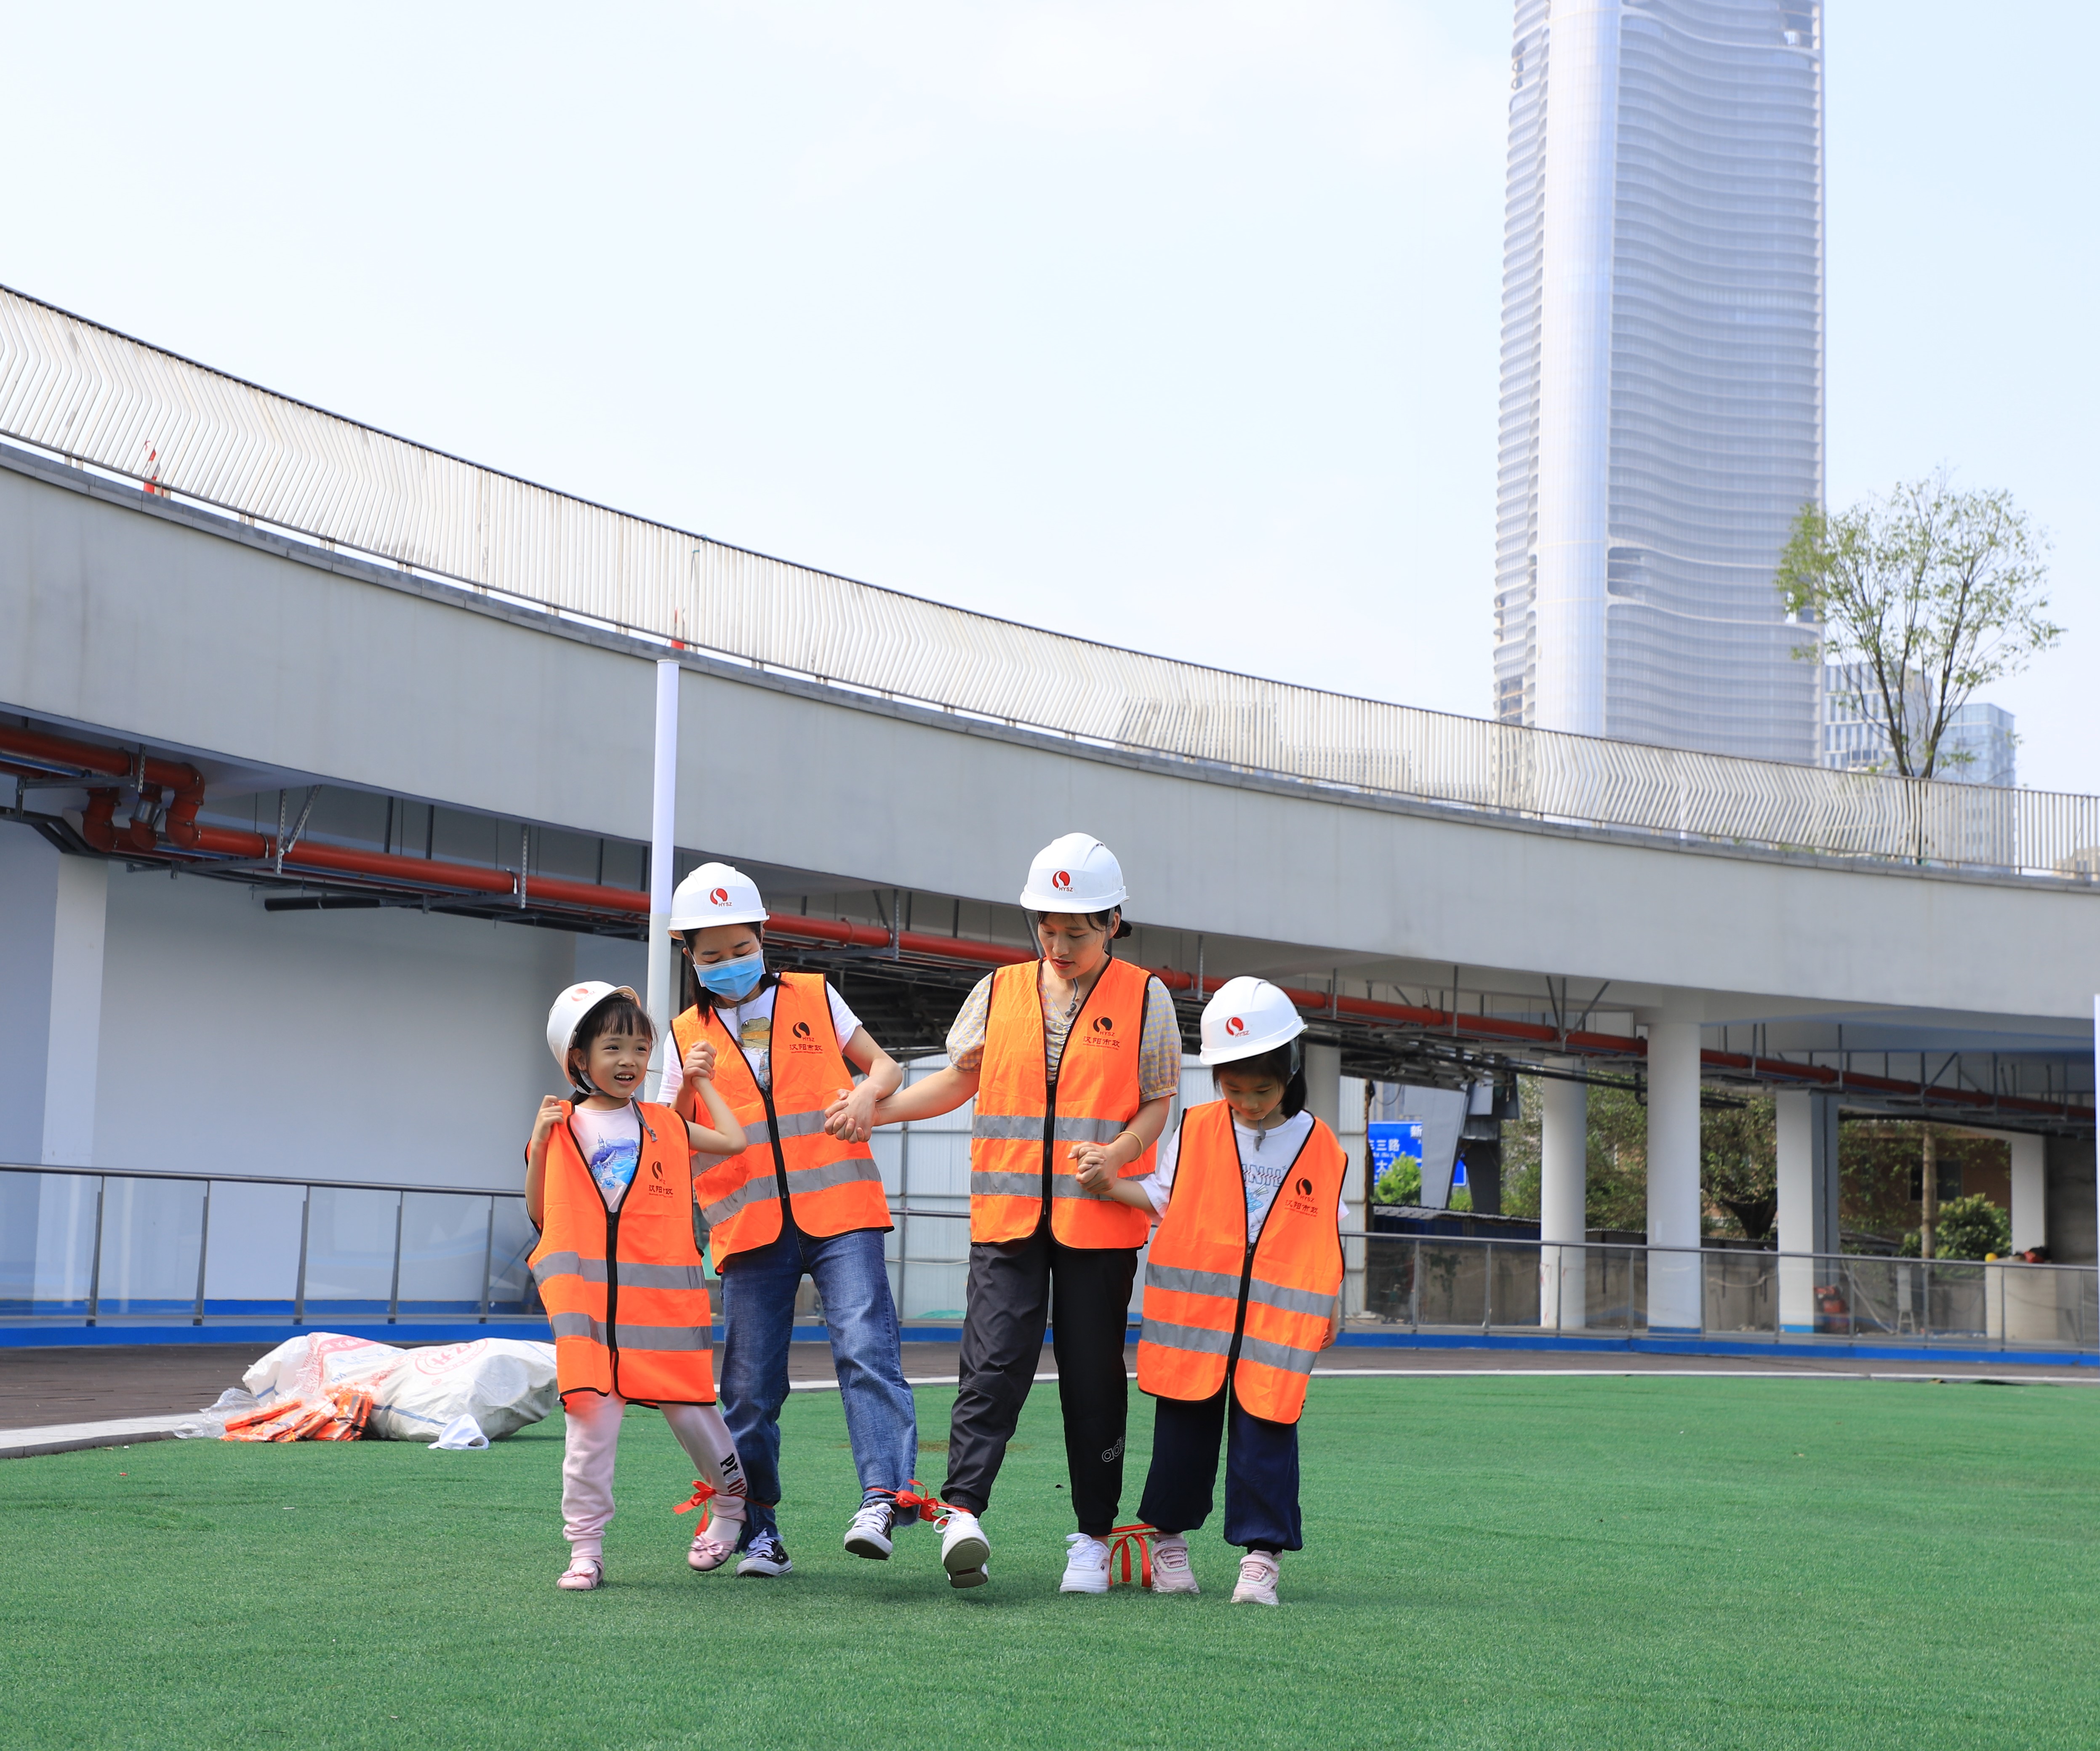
[801,1200]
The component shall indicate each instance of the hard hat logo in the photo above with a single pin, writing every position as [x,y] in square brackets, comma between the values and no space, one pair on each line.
[1062,881]
[1235,1027]
[718,897]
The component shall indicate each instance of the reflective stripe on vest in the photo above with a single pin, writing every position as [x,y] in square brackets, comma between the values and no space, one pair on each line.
[1022,1136]
[832,1186]
[624,1290]
[1213,1302]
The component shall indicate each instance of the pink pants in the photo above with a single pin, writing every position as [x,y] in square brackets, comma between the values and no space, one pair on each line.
[594,1441]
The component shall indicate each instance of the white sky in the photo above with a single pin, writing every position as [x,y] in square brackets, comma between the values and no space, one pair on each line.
[1174,324]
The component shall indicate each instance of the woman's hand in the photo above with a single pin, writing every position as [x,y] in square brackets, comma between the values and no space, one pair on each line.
[699,1064]
[851,1117]
[549,1116]
[1096,1168]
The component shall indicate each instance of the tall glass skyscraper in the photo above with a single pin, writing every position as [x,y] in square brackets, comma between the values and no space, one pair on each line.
[1662,370]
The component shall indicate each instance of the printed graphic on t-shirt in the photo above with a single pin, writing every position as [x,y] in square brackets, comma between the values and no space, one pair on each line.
[1263,1178]
[612,1165]
[755,1037]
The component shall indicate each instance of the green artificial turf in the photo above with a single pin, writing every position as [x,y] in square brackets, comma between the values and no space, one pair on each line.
[1488,1562]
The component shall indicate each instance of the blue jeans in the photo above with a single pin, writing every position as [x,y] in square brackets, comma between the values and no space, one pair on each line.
[758,1311]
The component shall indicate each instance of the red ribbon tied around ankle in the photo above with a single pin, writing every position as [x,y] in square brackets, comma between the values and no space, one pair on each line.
[702,1493]
[916,1497]
[1125,1539]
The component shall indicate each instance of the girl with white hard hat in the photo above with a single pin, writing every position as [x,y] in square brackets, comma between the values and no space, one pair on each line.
[1242,1289]
[805,1199]
[1073,1058]
[609,1184]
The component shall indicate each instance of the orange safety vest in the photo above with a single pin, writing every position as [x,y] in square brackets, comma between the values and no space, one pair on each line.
[833,1187]
[624,1288]
[1021,1139]
[1215,1298]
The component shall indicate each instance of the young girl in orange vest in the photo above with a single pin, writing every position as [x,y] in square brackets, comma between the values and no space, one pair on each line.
[609,1184]
[1242,1290]
[1076,1048]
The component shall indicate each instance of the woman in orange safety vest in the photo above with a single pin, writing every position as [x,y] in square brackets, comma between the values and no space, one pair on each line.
[1242,1291]
[609,1184]
[1073,1055]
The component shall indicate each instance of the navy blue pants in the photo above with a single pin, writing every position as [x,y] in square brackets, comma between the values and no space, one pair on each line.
[1261,1473]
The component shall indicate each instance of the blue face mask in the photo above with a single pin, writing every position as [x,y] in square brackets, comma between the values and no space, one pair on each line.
[734,980]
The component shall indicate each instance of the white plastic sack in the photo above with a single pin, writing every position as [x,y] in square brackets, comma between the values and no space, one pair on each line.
[503,1383]
[462,1434]
[307,1365]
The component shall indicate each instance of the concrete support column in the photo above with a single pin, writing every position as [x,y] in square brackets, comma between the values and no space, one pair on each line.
[2030,1210]
[1323,1085]
[1564,1172]
[1673,1290]
[1807,1200]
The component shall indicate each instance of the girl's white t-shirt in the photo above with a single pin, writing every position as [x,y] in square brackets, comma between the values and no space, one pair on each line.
[751,1022]
[1265,1157]
[611,1138]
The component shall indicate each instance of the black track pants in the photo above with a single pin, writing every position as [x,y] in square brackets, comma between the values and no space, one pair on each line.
[1084,1294]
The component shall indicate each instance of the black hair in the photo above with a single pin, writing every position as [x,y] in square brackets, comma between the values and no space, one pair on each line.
[1117,929]
[1283,1063]
[616,1013]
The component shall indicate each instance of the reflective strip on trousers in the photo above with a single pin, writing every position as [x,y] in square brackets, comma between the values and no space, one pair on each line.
[631,1276]
[1063,1183]
[1206,1342]
[801,1181]
[627,1337]
[1019,1128]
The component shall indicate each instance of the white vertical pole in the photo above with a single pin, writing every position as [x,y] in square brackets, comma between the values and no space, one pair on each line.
[1796,1115]
[1673,1287]
[1564,1172]
[663,831]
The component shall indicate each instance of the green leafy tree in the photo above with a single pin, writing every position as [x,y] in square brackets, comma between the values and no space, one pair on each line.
[1400,1183]
[1968,1227]
[1928,594]
[1739,1162]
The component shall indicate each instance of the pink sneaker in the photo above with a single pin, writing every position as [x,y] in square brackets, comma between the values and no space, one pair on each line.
[1258,1573]
[1171,1570]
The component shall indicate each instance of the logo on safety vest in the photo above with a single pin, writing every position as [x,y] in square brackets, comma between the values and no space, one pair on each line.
[1303,1204]
[718,897]
[1234,1025]
[801,1030]
[657,1188]
[1304,1187]
[1061,881]
[1105,1024]
[1104,1033]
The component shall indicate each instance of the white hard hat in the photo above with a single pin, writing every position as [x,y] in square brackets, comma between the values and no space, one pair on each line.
[715,894]
[1075,874]
[1247,1017]
[571,1007]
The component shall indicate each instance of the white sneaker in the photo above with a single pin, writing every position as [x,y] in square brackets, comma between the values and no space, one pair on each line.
[965,1549]
[1086,1564]
[1258,1573]
[1171,1570]
[869,1534]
